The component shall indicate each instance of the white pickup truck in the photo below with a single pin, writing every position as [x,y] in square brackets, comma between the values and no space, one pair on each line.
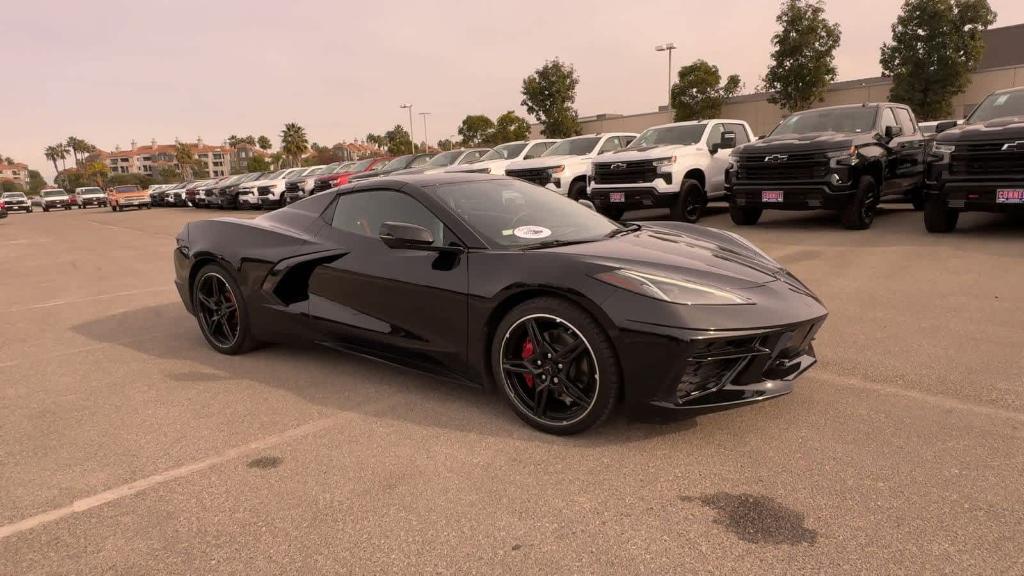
[678,166]
[565,166]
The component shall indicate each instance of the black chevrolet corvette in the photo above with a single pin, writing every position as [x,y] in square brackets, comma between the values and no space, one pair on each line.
[502,283]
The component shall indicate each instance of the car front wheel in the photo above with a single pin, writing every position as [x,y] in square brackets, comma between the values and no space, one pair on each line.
[689,205]
[859,212]
[938,218]
[556,366]
[221,311]
[745,215]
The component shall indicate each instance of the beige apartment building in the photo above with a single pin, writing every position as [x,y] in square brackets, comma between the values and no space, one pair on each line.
[1002,66]
[17,173]
[148,159]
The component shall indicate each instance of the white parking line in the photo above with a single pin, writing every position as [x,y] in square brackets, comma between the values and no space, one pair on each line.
[138,486]
[86,299]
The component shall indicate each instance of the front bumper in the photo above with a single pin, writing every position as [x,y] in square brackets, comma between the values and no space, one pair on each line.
[633,197]
[19,207]
[92,202]
[270,202]
[975,195]
[131,203]
[794,196]
[51,205]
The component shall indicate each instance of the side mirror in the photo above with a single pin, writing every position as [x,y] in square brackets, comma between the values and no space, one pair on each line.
[588,204]
[407,236]
[893,132]
[728,140]
[943,126]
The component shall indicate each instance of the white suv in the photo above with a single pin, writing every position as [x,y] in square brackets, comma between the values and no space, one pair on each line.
[565,167]
[495,161]
[91,196]
[677,166]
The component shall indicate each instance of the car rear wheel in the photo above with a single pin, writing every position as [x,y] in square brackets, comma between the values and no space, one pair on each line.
[689,205]
[745,215]
[938,218]
[221,311]
[578,190]
[556,366]
[859,212]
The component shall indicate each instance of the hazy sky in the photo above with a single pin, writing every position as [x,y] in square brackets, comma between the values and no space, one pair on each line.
[112,71]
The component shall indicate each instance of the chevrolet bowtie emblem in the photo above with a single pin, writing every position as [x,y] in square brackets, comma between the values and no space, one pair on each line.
[618,166]
[1018,146]
[776,158]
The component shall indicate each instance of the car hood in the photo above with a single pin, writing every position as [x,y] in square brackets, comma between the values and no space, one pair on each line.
[805,142]
[1009,129]
[648,153]
[674,250]
[545,162]
[418,170]
[493,165]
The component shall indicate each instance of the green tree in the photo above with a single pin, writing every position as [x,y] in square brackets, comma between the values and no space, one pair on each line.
[699,93]
[264,143]
[509,127]
[294,143]
[187,164]
[476,129]
[62,151]
[51,154]
[10,186]
[259,164]
[166,174]
[803,55]
[935,46]
[36,182]
[8,160]
[445,144]
[398,140]
[78,147]
[549,95]
[233,141]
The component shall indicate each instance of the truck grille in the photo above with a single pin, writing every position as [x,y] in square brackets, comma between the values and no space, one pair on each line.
[322,185]
[637,172]
[783,167]
[539,176]
[291,186]
[986,159]
[263,190]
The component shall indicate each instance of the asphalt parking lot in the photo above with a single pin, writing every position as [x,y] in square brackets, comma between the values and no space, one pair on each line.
[129,447]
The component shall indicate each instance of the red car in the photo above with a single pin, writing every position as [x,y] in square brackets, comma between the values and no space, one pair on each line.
[328,181]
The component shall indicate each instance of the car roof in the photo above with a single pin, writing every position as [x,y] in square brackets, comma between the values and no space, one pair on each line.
[425,180]
[1009,90]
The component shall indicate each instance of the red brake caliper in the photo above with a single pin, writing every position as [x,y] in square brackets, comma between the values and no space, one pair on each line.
[527,354]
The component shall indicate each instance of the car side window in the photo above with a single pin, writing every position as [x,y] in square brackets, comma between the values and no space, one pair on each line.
[627,140]
[888,119]
[472,156]
[906,122]
[715,134]
[419,161]
[611,144]
[363,213]
[536,150]
[741,133]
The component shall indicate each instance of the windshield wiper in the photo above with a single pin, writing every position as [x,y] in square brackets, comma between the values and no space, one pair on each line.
[554,244]
[629,229]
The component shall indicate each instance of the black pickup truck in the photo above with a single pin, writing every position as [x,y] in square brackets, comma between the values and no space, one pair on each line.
[843,158]
[978,166]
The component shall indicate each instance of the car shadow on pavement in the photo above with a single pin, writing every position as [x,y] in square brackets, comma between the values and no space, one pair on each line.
[346,382]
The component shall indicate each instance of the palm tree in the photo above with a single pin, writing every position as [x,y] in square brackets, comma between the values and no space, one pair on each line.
[8,160]
[233,141]
[294,142]
[51,154]
[186,161]
[62,151]
[264,143]
[75,144]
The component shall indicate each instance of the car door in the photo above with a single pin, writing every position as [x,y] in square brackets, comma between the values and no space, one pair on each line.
[392,302]
[893,181]
[717,163]
[910,150]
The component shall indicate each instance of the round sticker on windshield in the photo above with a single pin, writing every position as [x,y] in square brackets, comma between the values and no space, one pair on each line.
[532,232]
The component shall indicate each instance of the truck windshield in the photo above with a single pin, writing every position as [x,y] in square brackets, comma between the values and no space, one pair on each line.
[130,188]
[573,147]
[445,158]
[504,152]
[52,193]
[998,106]
[91,191]
[852,119]
[666,135]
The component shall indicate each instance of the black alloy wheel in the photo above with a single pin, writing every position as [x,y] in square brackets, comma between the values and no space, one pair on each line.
[556,366]
[859,212]
[939,218]
[220,310]
[689,205]
[578,191]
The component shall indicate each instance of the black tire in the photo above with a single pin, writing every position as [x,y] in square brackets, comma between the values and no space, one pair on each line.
[689,205]
[594,365]
[578,191]
[939,218]
[218,339]
[113,207]
[613,213]
[859,212]
[745,215]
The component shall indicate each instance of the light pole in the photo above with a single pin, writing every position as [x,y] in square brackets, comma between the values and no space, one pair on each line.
[668,47]
[425,138]
[411,139]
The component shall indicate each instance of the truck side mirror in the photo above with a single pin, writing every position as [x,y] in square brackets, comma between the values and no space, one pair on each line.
[893,132]
[945,125]
[728,140]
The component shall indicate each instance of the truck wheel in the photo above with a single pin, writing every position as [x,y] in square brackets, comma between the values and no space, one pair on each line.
[745,215]
[578,191]
[938,219]
[613,213]
[859,212]
[113,207]
[689,205]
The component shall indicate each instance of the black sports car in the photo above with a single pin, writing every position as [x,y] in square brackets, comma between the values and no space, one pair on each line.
[499,282]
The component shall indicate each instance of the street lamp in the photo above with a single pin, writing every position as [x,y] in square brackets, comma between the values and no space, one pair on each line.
[668,47]
[411,139]
[425,139]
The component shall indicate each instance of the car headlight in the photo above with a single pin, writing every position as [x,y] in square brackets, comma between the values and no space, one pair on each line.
[673,290]
[943,148]
[557,169]
[664,161]
[847,156]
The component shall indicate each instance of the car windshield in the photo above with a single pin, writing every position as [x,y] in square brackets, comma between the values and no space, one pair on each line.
[445,158]
[127,188]
[998,106]
[399,163]
[573,147]
[504,152]
[361,165]
[684,135]
[52,193]
[344,167]
[291,173]
[512,213]
[849,119]
[13,196]
[91,191]
[315,171]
